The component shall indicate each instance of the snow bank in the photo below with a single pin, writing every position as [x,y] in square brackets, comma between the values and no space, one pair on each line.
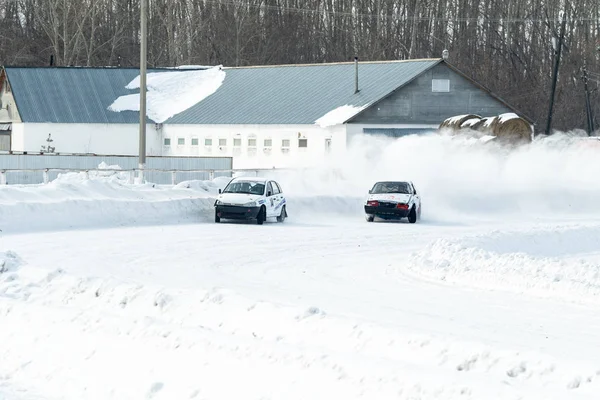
[563,262]
[170,93]
[9,262]
[103,199]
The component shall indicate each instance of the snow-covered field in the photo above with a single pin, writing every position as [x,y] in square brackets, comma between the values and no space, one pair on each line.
[117,291]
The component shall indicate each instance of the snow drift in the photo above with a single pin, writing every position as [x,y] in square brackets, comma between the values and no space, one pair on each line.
[562,262]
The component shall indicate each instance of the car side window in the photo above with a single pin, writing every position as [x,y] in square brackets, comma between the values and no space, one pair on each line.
[275,187]
[269,189]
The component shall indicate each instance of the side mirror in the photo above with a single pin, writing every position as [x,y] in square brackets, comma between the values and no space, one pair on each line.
[370,191]
[269,194]
[220,191]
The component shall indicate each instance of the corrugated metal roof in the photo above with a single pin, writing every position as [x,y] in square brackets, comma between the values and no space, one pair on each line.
[290,94]
[71,94]
[298,94]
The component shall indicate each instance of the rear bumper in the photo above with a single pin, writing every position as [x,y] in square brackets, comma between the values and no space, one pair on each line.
[386,212]
[237,212]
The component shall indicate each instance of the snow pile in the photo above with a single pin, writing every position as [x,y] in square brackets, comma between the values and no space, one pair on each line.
[103,199]
[211,187]
[9,262]
[562,262]
[338,115]
[170,93]
[108,173]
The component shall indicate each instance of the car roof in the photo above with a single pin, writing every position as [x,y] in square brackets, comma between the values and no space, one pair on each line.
[251,179]
[392,182]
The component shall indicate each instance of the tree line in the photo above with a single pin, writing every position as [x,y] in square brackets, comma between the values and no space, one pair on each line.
[505,44]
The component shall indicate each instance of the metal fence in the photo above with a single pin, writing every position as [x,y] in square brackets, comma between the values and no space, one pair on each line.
[42,168]
[175,176]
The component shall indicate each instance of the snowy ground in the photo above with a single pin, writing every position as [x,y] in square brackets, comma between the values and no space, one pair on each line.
[116,291]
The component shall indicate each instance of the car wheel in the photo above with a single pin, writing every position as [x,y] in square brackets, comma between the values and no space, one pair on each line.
[412,215]
[283,215]
[370,218]
[217,218]
[261,217]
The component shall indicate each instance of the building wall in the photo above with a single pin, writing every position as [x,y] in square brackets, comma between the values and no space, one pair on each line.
[394,130]
[118,139]
[256,146]
[7,101]
[420,103]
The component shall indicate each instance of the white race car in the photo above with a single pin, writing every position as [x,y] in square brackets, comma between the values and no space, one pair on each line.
[251,198]
[393,200]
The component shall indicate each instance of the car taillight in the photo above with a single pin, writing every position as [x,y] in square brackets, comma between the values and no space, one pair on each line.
[402,206]
[373,203]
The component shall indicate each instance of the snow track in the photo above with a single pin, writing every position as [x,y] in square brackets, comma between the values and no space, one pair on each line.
[333,314]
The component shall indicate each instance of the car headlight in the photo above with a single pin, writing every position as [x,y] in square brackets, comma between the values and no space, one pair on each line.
[250,204]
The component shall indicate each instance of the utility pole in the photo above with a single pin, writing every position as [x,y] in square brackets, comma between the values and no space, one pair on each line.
[143,51]
[558,51]
[588,106]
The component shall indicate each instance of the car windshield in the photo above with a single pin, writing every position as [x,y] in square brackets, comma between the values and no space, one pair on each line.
[246,187]
[390,187]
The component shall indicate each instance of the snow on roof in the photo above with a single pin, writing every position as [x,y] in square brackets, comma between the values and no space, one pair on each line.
[507,116]
[169,94]
[338,115]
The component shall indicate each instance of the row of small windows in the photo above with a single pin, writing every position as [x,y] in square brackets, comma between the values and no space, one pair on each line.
[237,142]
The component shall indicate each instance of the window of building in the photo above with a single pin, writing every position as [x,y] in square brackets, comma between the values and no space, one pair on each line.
[285,143]
[268,142]
[302,143]
[180,141]
[251,142]
[222,142]
[194,141]
[167,141]
[237,142]
[440,85]
[208,142]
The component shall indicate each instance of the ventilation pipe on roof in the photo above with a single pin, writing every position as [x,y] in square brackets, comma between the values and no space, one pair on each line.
[51,60]
[356,75]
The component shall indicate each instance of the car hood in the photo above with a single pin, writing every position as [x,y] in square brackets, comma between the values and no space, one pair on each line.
[237,198]
[393,197]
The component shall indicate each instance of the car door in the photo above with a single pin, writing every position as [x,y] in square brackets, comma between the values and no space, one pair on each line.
[279,198]
[270,200]
[417,197]
[275,199]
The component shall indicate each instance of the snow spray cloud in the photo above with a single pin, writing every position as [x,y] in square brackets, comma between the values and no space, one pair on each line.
[461,176]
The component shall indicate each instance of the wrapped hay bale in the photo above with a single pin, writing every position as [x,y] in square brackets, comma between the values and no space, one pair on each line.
[486,125]
[512,129]
[454,123]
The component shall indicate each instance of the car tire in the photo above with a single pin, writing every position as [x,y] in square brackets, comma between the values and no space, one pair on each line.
[217,218]
[370,218]
[261,217]
[283,215]
[412,215]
